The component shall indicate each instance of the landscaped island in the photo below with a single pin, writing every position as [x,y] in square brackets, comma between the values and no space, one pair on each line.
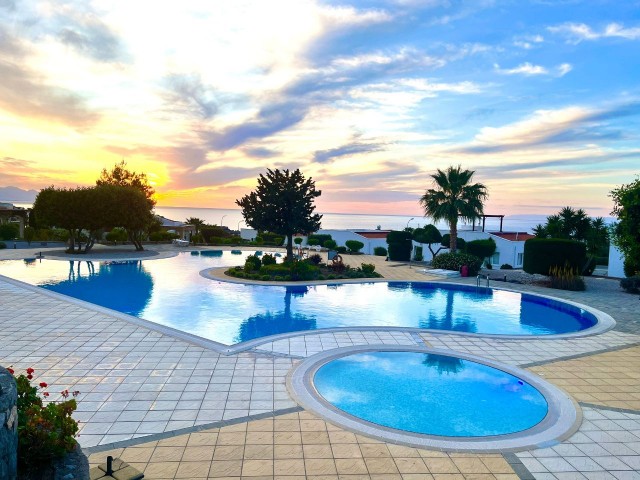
[266,269]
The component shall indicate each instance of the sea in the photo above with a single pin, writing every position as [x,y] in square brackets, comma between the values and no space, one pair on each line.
[232,218]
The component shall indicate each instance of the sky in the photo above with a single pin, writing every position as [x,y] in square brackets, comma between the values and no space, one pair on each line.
[540,98]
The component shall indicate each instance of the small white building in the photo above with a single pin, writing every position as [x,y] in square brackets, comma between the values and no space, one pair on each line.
[616,263]
[370,238]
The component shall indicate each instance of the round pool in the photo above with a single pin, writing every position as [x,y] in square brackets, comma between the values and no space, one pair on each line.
[433,398]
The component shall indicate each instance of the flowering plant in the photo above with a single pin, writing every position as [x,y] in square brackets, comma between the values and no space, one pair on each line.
[44,431]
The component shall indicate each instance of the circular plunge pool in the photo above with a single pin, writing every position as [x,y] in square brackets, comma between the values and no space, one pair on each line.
[433,398]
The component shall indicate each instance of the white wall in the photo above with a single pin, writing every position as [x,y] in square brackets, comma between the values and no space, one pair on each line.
[616,263]
[341,236]
[248,234]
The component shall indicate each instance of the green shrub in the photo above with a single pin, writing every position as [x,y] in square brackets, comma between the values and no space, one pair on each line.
[268,259]
[590,267]
[319,237]
[631,284]
[117,234]
[265,278]
[9,231]
[506,266]
[253,276]
[631,267]
[481,248]
[566,278]
[455,261]
[341,249]
[380,251]
[275,269]
[540,254]
[297,240]
[330,244]
[3,245]
[488,265]
[312,242]
[287,278]
[460,242]
[252,263]
[303,271]
[602,261]
[29,234]
[368,268]
[331,276]
[47,431]
[418,256]
[259,240]
[399,245]
[162,236]
[315,259]
[354,245]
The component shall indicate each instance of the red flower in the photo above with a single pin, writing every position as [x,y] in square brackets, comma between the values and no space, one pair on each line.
[46,394]
[30,370]
[43,384]
[65,393]
[76,393]
[30,377]
[11,371]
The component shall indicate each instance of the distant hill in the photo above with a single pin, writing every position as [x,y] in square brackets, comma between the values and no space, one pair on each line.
[15,194]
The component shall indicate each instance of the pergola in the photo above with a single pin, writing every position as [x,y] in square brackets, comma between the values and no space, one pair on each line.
[484,218]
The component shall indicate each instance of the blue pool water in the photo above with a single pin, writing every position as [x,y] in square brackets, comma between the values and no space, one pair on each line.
[172,292]
[430,394]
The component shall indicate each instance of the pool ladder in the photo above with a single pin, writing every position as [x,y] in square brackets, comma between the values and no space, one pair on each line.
[478,280]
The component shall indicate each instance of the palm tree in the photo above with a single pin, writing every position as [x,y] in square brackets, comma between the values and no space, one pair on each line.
[196,222]
[454,197]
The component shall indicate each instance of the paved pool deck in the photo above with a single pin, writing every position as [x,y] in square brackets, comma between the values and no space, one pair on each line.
[174,409]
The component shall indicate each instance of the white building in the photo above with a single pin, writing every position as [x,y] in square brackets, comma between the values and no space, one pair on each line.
[616,263]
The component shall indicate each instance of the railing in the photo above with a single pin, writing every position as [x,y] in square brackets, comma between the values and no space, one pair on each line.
[478,280]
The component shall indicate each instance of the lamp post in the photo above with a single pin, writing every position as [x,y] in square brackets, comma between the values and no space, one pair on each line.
[222,219]
[241,221]
[409,222]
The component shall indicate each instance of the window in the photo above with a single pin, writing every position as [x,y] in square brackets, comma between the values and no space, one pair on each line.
[495,258]
[520,259]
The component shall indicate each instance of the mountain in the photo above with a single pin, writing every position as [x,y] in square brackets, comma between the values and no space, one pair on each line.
[15,194]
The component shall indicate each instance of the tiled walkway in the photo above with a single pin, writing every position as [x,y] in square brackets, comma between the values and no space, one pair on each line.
[176,410]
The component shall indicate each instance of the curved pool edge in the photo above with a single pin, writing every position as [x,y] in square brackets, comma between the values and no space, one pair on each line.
[604,321]
[563,418]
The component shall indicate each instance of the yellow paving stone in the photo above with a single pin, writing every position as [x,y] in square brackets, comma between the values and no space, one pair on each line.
[236,427]
[286,425]
[225,468]
[312,425]
[177,441]
[350,466]
[320,466]
[506,476]
[317,451]
[259,438]
[315,437]
[381,465]
[402,451]
[363,439]
[265,425]
[340,436]
[374,450]
[417,476]
[161,470]
[346,450]
[228,452]
[258,452]
[432,453]
[254,468]
[440,465]
[287,451]
[385,476]
[199,453]
[497,465]
[231,438]
[448,476]
[288,467]
[202,438]
[136,454]
[411,465]
[167,454]
[478,476]
[470,465]
[193,470]
[287,438]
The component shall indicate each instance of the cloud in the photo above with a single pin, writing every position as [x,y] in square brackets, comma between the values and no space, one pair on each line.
[8,4]
[353,148]
[260,152]
[211,177]
[578,32]
[529,69]
[528,42]
[189,93]
[89,36]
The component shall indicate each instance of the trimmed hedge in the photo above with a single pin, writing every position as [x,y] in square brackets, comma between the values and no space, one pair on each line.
[461,243]
[354,245]
[380,252]
[541,254]
[482,248]
[631,284]
[399,245]
[455,261]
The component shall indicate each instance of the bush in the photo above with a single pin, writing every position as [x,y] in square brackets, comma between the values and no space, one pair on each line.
[506,266]
[540,254]
[315,259]
[312,242]
[320,238]
[354,245]
[488,265]
[399,245]
[265,278]
[566,278]
[631,284]
[117,234]
[268,259]
[418,256]
[481,248]
[380,251]
[590,267]
[631,267]
[303,271]
[330,244]
[162,236]
[341,249]
[252,263]
[368,268]
[455,261]
[297,240]
[9,231]
[275,269]
[44,432]
[3,245]
[461,244]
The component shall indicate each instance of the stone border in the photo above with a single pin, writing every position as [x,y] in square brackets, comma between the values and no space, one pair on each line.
[562,420]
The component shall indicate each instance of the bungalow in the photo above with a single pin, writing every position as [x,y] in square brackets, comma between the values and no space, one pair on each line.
[14,215]
[173,226]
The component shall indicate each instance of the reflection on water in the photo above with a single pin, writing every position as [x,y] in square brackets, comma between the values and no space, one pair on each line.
[134,283]
[284,321]
[443,363]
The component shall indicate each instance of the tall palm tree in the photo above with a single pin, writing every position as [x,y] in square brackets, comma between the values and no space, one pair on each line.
[196,222]
[453,197]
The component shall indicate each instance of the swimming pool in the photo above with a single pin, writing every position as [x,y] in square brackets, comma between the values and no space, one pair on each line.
[430,393]
[432,398]
[172,292]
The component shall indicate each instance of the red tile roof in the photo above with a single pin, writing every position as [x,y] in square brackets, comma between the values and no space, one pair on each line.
[373,234]
[514,236]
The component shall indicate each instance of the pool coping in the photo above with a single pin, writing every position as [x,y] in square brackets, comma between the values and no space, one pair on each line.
[604,321]
[563,418]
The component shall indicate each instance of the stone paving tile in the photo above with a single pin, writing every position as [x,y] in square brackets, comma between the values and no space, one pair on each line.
[607,446]
[298,446]
[521,352]
[307,345]
[133,381]
[610,379]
